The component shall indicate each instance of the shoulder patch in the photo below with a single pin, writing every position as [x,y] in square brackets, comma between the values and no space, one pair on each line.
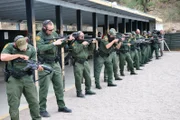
[38,38]
[105,38]
[51,41]
[6,46]
[73,44]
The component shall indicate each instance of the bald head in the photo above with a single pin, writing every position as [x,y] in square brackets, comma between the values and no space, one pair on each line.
[81,35]
[162,32]
[48,26]
[138,31]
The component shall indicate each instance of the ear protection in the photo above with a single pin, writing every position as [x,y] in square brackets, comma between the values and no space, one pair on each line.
[45,23]
[18,37]
[76,34]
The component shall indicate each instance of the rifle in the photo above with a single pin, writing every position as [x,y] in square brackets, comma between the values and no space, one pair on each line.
[33,65]
[49,40]
[120,36]
[87,40]
[144,41]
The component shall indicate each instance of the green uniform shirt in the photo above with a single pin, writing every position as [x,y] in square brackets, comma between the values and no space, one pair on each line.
[139,36]
[46,47]
[80,51]
[145,36]
[132,41]
[10,49]
[155,41]
[103,44]
[125,46]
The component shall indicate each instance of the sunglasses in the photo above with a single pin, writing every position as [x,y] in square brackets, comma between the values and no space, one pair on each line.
[50,30]
[81,36]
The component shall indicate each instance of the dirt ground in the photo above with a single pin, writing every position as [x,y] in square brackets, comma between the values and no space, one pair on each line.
[153,94]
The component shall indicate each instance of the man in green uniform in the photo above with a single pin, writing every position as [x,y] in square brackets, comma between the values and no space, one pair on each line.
[134,51]
[144,48]
[149,45]
[138,36]
[115,62]
[155,46]
[19,81]
[80,52]
[105,57]
[124,55]
[48,54]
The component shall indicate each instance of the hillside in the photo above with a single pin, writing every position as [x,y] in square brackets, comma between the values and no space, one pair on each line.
[167,10]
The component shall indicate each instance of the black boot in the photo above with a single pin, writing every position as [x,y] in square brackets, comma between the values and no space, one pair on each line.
[44,114]
[111,85]
[65,109]
[142,65]
[98,86]
[157,58]
[79,94]
[122,74]
[118,78]
[89,92]
[133,73]
[138,69]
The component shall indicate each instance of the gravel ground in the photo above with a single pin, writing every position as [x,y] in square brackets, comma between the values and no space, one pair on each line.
[153,94]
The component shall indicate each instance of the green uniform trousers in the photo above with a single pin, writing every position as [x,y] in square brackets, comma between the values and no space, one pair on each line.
[115,62]
[125,57]
[135,58]
[82,71]
[99,62]
[156,49]
[44,81]
[143,54]
[149,51]
[146,54]
[140,56]
[15,88]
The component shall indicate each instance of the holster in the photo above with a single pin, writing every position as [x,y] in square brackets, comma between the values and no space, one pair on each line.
[6,75]
[102,54]
[81,61]
[133,49]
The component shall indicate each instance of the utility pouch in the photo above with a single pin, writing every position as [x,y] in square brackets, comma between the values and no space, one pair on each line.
[17,74]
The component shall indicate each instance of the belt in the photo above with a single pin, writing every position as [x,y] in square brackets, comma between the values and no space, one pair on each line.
[81,61]
[133,49]
[102,54]
[19,74]
[48,60]
[124,51]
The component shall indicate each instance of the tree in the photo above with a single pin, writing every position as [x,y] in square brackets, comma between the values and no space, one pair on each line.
[145,5]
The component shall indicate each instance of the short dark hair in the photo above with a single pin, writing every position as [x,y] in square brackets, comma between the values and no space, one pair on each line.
[47,22]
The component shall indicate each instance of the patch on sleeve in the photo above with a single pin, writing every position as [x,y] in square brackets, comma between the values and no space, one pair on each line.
[73,44]
[105,38]
[38,38]
[6,46]
[51,41]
